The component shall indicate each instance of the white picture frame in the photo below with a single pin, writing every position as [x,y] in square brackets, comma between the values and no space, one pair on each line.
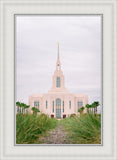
[8,149]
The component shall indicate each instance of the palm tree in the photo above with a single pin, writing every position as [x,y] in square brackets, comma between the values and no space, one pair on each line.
[88,106]
[93,106]
[22,106]
[96,104]
[35,110]
[18,104]
[27,106]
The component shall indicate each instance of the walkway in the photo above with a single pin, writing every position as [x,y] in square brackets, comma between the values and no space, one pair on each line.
[57,136]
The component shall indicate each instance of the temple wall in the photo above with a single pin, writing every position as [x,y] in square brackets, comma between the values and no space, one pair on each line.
[64,98]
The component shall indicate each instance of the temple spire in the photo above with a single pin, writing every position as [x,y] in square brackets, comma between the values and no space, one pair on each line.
[58,50]
[58,65]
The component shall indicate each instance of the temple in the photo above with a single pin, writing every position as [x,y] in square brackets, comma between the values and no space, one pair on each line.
[58,102]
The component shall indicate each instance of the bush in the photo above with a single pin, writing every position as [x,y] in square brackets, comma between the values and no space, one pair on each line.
[72,115]
[30,127]
[84,130]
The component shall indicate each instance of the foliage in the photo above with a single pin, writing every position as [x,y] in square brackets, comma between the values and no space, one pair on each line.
[35,110]
[18,104]
[88,106]
[94,106]
[83,130]
[72,115]
[29,128]
[81,110]
[22,106]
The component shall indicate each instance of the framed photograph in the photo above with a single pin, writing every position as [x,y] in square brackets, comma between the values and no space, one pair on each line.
[72,79]
[58,80]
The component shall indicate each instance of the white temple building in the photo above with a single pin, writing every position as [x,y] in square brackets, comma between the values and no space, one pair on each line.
[58,102]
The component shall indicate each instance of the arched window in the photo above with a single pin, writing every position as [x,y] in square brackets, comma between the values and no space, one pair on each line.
[63,106]
[46,104]
[58,102]
[69,104]
[36,104]
[53,106]
[58,83]
[80,103]
[58,108]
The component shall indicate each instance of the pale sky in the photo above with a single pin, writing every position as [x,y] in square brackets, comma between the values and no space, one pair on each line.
[80,50]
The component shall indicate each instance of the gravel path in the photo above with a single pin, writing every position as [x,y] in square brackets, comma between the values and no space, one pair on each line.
[57,136]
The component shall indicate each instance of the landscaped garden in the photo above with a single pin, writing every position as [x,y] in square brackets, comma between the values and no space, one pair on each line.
[85,129]
[30,127]
[39,128]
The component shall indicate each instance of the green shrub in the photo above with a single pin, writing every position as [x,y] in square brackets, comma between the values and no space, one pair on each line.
[30,127]
[84,130]
[35,110]
[72,115]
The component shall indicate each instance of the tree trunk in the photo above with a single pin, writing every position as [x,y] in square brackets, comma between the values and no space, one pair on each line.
[96,111]
[17,109]
[92,110]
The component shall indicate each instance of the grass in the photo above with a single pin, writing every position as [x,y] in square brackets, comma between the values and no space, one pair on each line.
[30,127]
[83,130]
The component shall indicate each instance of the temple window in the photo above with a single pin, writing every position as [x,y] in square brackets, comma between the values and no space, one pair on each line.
[58,102]
[46,104]
[36,104]
[79,103]
[63,106]
[63,103]
[69,104]
[58,82]
[53,106]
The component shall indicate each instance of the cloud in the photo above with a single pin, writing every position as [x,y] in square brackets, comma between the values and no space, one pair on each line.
[80,54]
